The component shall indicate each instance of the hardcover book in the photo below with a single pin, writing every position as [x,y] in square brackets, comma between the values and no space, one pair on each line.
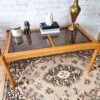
[44,26]
[50,31]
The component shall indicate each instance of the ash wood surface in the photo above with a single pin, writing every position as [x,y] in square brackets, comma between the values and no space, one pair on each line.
[7,70]
[8,57]
[50,40]
[7,43]
[48,51]
[93,59]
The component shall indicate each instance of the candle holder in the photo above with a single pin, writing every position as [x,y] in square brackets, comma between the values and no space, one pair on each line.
[17,34]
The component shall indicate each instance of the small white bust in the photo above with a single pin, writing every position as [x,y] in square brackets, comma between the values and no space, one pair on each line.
[49,19]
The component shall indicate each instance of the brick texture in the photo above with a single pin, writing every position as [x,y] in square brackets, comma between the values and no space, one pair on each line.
[14,12]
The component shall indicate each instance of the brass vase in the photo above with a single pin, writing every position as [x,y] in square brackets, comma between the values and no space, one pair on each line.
[74,12]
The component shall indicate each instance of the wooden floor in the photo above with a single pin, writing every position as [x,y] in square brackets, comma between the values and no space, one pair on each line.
[2,80]
[2,73]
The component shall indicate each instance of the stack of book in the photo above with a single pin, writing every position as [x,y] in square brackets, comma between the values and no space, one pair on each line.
[45,29]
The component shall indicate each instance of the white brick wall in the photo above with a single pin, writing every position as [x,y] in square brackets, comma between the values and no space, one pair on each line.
[15,12]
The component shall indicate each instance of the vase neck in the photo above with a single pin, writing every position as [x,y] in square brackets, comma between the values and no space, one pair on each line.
[76,2]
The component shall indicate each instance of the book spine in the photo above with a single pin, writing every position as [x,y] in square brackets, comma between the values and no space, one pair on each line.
[50,31]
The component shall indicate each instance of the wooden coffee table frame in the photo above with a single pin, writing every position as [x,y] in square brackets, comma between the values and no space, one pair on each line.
[6,57]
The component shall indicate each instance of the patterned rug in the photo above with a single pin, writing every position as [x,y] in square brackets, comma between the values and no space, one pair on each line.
[56,77]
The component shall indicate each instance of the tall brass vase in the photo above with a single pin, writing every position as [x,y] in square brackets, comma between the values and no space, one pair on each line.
[74,12]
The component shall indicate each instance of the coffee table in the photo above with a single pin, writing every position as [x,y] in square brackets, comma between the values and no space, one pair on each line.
[35,46]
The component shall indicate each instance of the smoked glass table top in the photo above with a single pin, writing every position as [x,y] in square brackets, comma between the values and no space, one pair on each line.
[37,41]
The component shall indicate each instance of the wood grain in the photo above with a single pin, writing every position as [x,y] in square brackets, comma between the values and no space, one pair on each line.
[7,70]
[49,51]
[93,59]
[50,40]
[7,43]
[8,57]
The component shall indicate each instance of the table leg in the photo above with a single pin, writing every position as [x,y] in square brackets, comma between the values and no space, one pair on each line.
[93,59]
[7,70]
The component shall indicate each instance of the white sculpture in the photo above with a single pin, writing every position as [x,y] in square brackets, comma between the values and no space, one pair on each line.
[49,19]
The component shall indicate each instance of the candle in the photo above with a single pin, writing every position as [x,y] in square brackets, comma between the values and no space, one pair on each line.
[16,32]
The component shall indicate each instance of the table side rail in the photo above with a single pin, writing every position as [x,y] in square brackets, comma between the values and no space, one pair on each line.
[50,51]
[85,33]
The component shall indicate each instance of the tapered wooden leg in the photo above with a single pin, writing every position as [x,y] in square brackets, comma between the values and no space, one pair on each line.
[5,66]
[93,59]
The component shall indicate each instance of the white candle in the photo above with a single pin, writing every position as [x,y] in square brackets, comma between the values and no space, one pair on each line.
[16,32]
